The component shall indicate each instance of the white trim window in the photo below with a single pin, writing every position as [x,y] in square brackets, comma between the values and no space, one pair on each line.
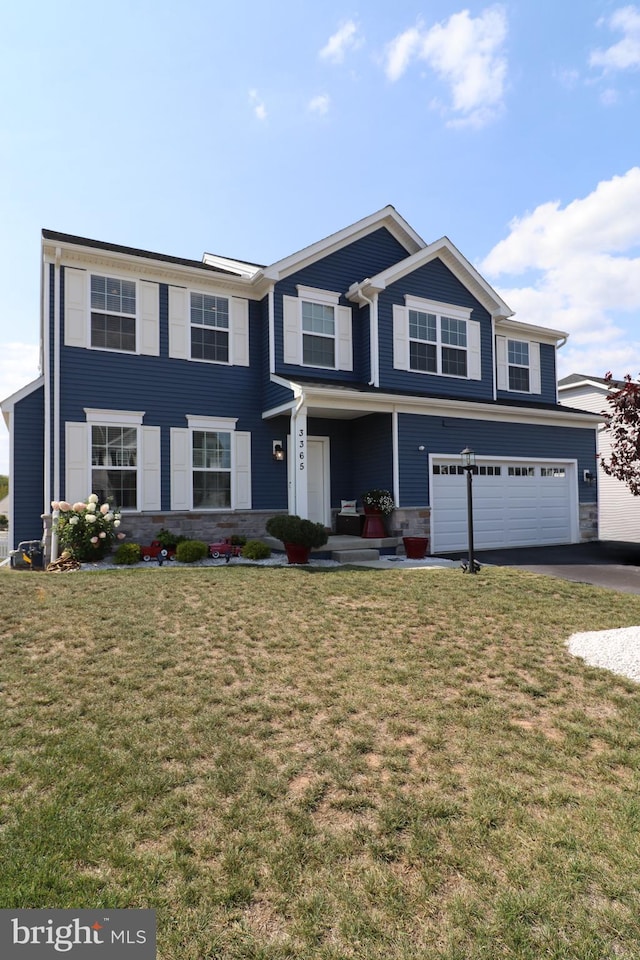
[115,456]
[114,465]
[210,465]
[318,334]
[317,330]
[208,327]
[113,313]
[518,365]
[211,469]
[436,338]
[209,316]
[437,344]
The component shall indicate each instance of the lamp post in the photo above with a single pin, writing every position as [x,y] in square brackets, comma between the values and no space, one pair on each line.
[468,463]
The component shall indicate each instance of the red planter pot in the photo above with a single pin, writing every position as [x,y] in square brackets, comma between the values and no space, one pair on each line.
[297,553]
[416,547]
[374,527]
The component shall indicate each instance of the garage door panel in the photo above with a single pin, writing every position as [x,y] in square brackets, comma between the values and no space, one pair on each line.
[510,508]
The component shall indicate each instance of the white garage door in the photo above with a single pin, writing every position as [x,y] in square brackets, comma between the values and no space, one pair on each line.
[514,504]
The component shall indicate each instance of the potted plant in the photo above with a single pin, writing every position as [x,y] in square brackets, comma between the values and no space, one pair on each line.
[377,505]
[298,536]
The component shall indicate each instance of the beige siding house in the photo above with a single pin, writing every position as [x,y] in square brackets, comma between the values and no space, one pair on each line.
[618,509]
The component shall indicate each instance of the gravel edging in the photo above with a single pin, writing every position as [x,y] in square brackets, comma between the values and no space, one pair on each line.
[615,650]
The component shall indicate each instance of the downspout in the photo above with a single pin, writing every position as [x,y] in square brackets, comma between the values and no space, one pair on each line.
[559,346]
[56,395]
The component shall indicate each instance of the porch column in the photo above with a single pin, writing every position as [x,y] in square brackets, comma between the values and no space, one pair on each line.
[300,463]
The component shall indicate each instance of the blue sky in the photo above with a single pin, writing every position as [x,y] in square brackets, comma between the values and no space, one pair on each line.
[251,130]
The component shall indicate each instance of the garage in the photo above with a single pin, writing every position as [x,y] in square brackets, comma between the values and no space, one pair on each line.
[516,503]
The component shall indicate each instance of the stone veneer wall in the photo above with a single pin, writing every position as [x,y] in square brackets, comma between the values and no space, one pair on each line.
[142,528]
[588,515]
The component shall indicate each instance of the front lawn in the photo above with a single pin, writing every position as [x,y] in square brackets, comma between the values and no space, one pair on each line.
[401,765]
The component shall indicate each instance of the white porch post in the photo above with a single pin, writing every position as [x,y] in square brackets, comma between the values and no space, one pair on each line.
[300,462]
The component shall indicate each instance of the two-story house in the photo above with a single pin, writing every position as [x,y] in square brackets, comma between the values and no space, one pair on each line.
[204,396]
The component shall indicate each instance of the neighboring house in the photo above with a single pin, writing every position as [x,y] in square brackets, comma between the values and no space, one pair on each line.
[618,509]
[370,358]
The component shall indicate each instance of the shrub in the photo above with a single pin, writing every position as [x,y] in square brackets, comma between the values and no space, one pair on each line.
[127,553]
[86,530]
[237,540]
[293,529]
[255,550]
[189,551]
[168,540]
[4,523]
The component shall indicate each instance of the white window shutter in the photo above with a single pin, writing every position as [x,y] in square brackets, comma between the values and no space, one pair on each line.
[179,324]
[239,353]
[502,373]
[241,499]
[344,339]
[76,309]
[149,313]
[535,385]
[150,459]
[77,458]
[474,359]
[400,337]
[291,330]
[181,488]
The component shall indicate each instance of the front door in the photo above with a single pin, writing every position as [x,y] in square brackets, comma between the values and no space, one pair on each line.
[318,480]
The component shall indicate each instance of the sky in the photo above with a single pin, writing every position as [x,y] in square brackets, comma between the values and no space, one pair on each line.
[253,129]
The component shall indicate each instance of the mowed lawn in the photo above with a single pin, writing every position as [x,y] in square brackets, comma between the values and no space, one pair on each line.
[325,765]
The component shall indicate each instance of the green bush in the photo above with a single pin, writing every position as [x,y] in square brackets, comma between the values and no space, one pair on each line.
[128,553]
[255,550]
[237,540]
[168,540]
[293,529]
[189,551]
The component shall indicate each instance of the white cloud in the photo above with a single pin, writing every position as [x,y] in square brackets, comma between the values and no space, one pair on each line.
[259,108]
[344,39]
[579,271]
[466,53]
[18,367]
[401,51]
[319,104]
[624,55]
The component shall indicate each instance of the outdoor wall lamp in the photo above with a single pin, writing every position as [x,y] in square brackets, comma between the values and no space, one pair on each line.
[588,477]
[468,463]
[421,448]
[278,450]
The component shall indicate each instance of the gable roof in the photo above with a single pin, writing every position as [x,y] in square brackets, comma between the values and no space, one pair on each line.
[444,250]
[387,217]
[586,380]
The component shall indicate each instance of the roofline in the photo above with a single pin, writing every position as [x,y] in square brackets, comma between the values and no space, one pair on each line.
[432,406]
[518,326]
[386,217]
[67,238]
[454,260]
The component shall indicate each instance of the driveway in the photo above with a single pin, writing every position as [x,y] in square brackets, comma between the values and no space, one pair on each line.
[603,563]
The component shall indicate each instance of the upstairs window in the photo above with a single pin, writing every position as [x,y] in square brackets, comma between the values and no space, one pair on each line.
[211,453]
[113,314]
[318,335]
[437,344]
[114,457]
[518,363]
[209,328]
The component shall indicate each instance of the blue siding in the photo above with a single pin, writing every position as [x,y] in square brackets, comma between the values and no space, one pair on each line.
[486,438]
[168,389]
[337,272]
[547,380]
[433,281]
[27,478]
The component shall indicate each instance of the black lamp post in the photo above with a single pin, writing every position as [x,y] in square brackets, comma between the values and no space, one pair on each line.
[468,463]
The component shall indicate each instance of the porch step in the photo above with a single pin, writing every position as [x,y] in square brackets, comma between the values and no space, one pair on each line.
[353,556]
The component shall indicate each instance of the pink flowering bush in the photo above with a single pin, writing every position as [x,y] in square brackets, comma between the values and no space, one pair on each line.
[87,530]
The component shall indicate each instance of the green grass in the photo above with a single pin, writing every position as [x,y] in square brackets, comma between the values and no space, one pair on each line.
[402,765]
